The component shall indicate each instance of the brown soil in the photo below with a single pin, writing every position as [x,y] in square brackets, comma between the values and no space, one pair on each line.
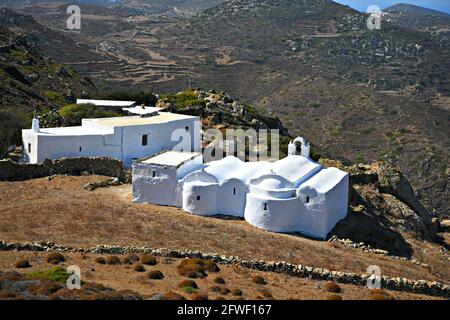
[61,211]
[123,277]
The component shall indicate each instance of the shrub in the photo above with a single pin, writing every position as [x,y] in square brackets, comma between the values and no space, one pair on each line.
[170,295]
[332,287]
[187,283]
[199,296]
[189,290]
[112,260]
[215,289]
[58,274]
[55,258]
[379,294]
[46,288]
[236,292]
[266,294]
[196,267]
[130,259]
[148,260]
[74,113]
[335,297]
[259,280]
[22,264]
[224,291]
[155,275]
[219,280]
[100,260]
[138,267]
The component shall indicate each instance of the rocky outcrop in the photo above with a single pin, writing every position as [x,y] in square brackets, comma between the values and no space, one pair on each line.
[383,209]
[301,271]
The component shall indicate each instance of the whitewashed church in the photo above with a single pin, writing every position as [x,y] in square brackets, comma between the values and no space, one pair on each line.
[123,138]
[294,194]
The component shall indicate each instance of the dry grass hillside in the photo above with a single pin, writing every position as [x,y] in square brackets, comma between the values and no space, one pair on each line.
[128,277]
[61,211]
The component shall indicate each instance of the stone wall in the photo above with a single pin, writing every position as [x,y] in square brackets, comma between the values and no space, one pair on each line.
[397,284]
[13,171]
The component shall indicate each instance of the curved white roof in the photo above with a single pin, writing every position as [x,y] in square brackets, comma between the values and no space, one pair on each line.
[232,168]
[296,169]
[325,180]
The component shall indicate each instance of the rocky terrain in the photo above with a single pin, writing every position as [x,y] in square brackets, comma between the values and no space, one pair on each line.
[422,19]
[31,81]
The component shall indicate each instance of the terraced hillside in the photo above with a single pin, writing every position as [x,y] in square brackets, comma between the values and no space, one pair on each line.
[356,94]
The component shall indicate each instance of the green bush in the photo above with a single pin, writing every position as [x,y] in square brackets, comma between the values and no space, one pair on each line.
[54,97]
[73,113]
[58,274]
[187,98]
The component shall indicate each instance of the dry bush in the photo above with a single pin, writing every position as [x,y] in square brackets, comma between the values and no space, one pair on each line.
[7,295]
[148,259]
[138,267]
[55,258]
[187,284]
[130,258]
[236,292]
[155,275]
[196,267]
[170,295]
[22,264]
[266,294]
[215,289]
[259,280]
[100,260]
[199,296]
[219,280]
[113,260]
[224,291]
[45,287]
[335,297]
[332,287]
[379,294]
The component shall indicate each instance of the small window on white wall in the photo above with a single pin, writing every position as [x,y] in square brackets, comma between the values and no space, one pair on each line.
[186,128]
[198,198]
[265,206]
[307,199]
[234,190]
[145,139]
[80,149]
[29,147]
[153,173]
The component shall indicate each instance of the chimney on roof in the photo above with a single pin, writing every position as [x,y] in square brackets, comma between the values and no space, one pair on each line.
[35,123]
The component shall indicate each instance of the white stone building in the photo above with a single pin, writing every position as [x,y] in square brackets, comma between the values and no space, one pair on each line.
[124,138]
[294,194]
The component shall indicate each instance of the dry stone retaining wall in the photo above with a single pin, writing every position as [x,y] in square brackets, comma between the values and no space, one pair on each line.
[301,271]
[13,171]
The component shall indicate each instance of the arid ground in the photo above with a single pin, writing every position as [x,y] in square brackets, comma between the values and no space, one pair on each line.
[61,211]
[124,277]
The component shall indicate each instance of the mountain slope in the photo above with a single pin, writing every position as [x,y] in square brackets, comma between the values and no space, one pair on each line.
[419,18]
[30,81]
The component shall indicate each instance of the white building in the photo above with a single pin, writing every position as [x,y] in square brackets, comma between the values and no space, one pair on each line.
[123,138]
[294,194]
